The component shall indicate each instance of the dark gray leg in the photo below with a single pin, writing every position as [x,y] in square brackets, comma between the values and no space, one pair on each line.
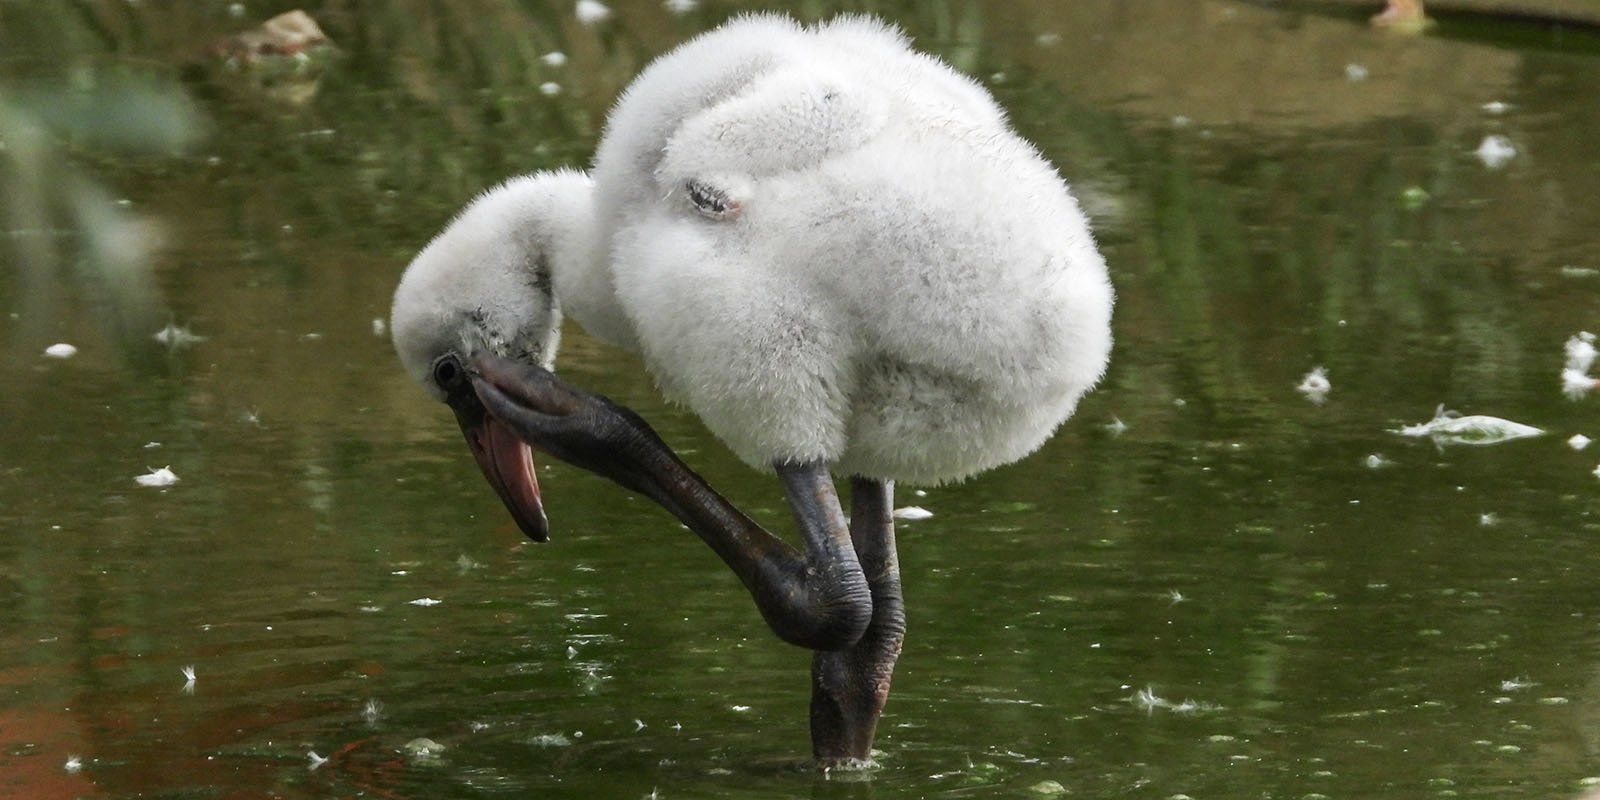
[849,687]
[818,599]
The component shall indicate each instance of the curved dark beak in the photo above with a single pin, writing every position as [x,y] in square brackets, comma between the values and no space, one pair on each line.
[506,461]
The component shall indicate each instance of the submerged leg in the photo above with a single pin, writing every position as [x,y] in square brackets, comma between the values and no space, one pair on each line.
[849,687]
[817,599]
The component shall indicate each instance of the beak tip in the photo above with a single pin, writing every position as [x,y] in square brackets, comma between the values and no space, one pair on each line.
[538,533]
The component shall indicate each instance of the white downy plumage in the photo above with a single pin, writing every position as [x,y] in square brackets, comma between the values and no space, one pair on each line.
[830,246]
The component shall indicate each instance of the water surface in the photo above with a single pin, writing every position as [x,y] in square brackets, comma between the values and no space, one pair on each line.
[1427,628]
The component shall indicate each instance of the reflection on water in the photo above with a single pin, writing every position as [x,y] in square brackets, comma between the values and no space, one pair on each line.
[1228,597]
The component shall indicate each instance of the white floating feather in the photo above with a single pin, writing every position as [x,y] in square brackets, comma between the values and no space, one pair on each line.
[1578,441]
[680,6]
[1147,699]
[912,513]
[1315,385]
[1376,461]
[1575,384]
[592,12]
[549,88]
[1495,151]
[157,477]
[1449,427]
[554,58]
[1355,73]
[73,764]
[1581,351]
[61,350]
[425,602]
[316,760]
[175,337]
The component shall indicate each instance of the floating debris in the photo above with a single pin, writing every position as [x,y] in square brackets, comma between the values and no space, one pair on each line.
[549,88]
[681,6]
[1495,151]
[554,58]
[1176,597]
[73,765]
[1575,384]
[1148,700]
[283,59]
[379,327]
[638,725]
[423,747]
[1449,427]
[1315,385]
[1376,461]
[1414,197]
[1488,520]
[1496,107]
[316,760]
[1048,788]
[739,709]
[372,712]
[1516,684]
[1355,73]
[175,337]
[592,12]
[1578,441]
[425,602]
[61,350]
[550,740]
[1047,39]
[912,513]
[157,477]
[1580,351]
[1116,427]
[1569,271]
[188,679]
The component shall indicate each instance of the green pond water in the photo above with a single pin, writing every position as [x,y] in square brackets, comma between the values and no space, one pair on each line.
[1275,190]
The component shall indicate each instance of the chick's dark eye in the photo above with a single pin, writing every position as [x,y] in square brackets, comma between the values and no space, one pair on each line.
[447,372]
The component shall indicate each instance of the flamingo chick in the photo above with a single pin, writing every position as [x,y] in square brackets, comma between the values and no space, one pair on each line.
[831,247]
